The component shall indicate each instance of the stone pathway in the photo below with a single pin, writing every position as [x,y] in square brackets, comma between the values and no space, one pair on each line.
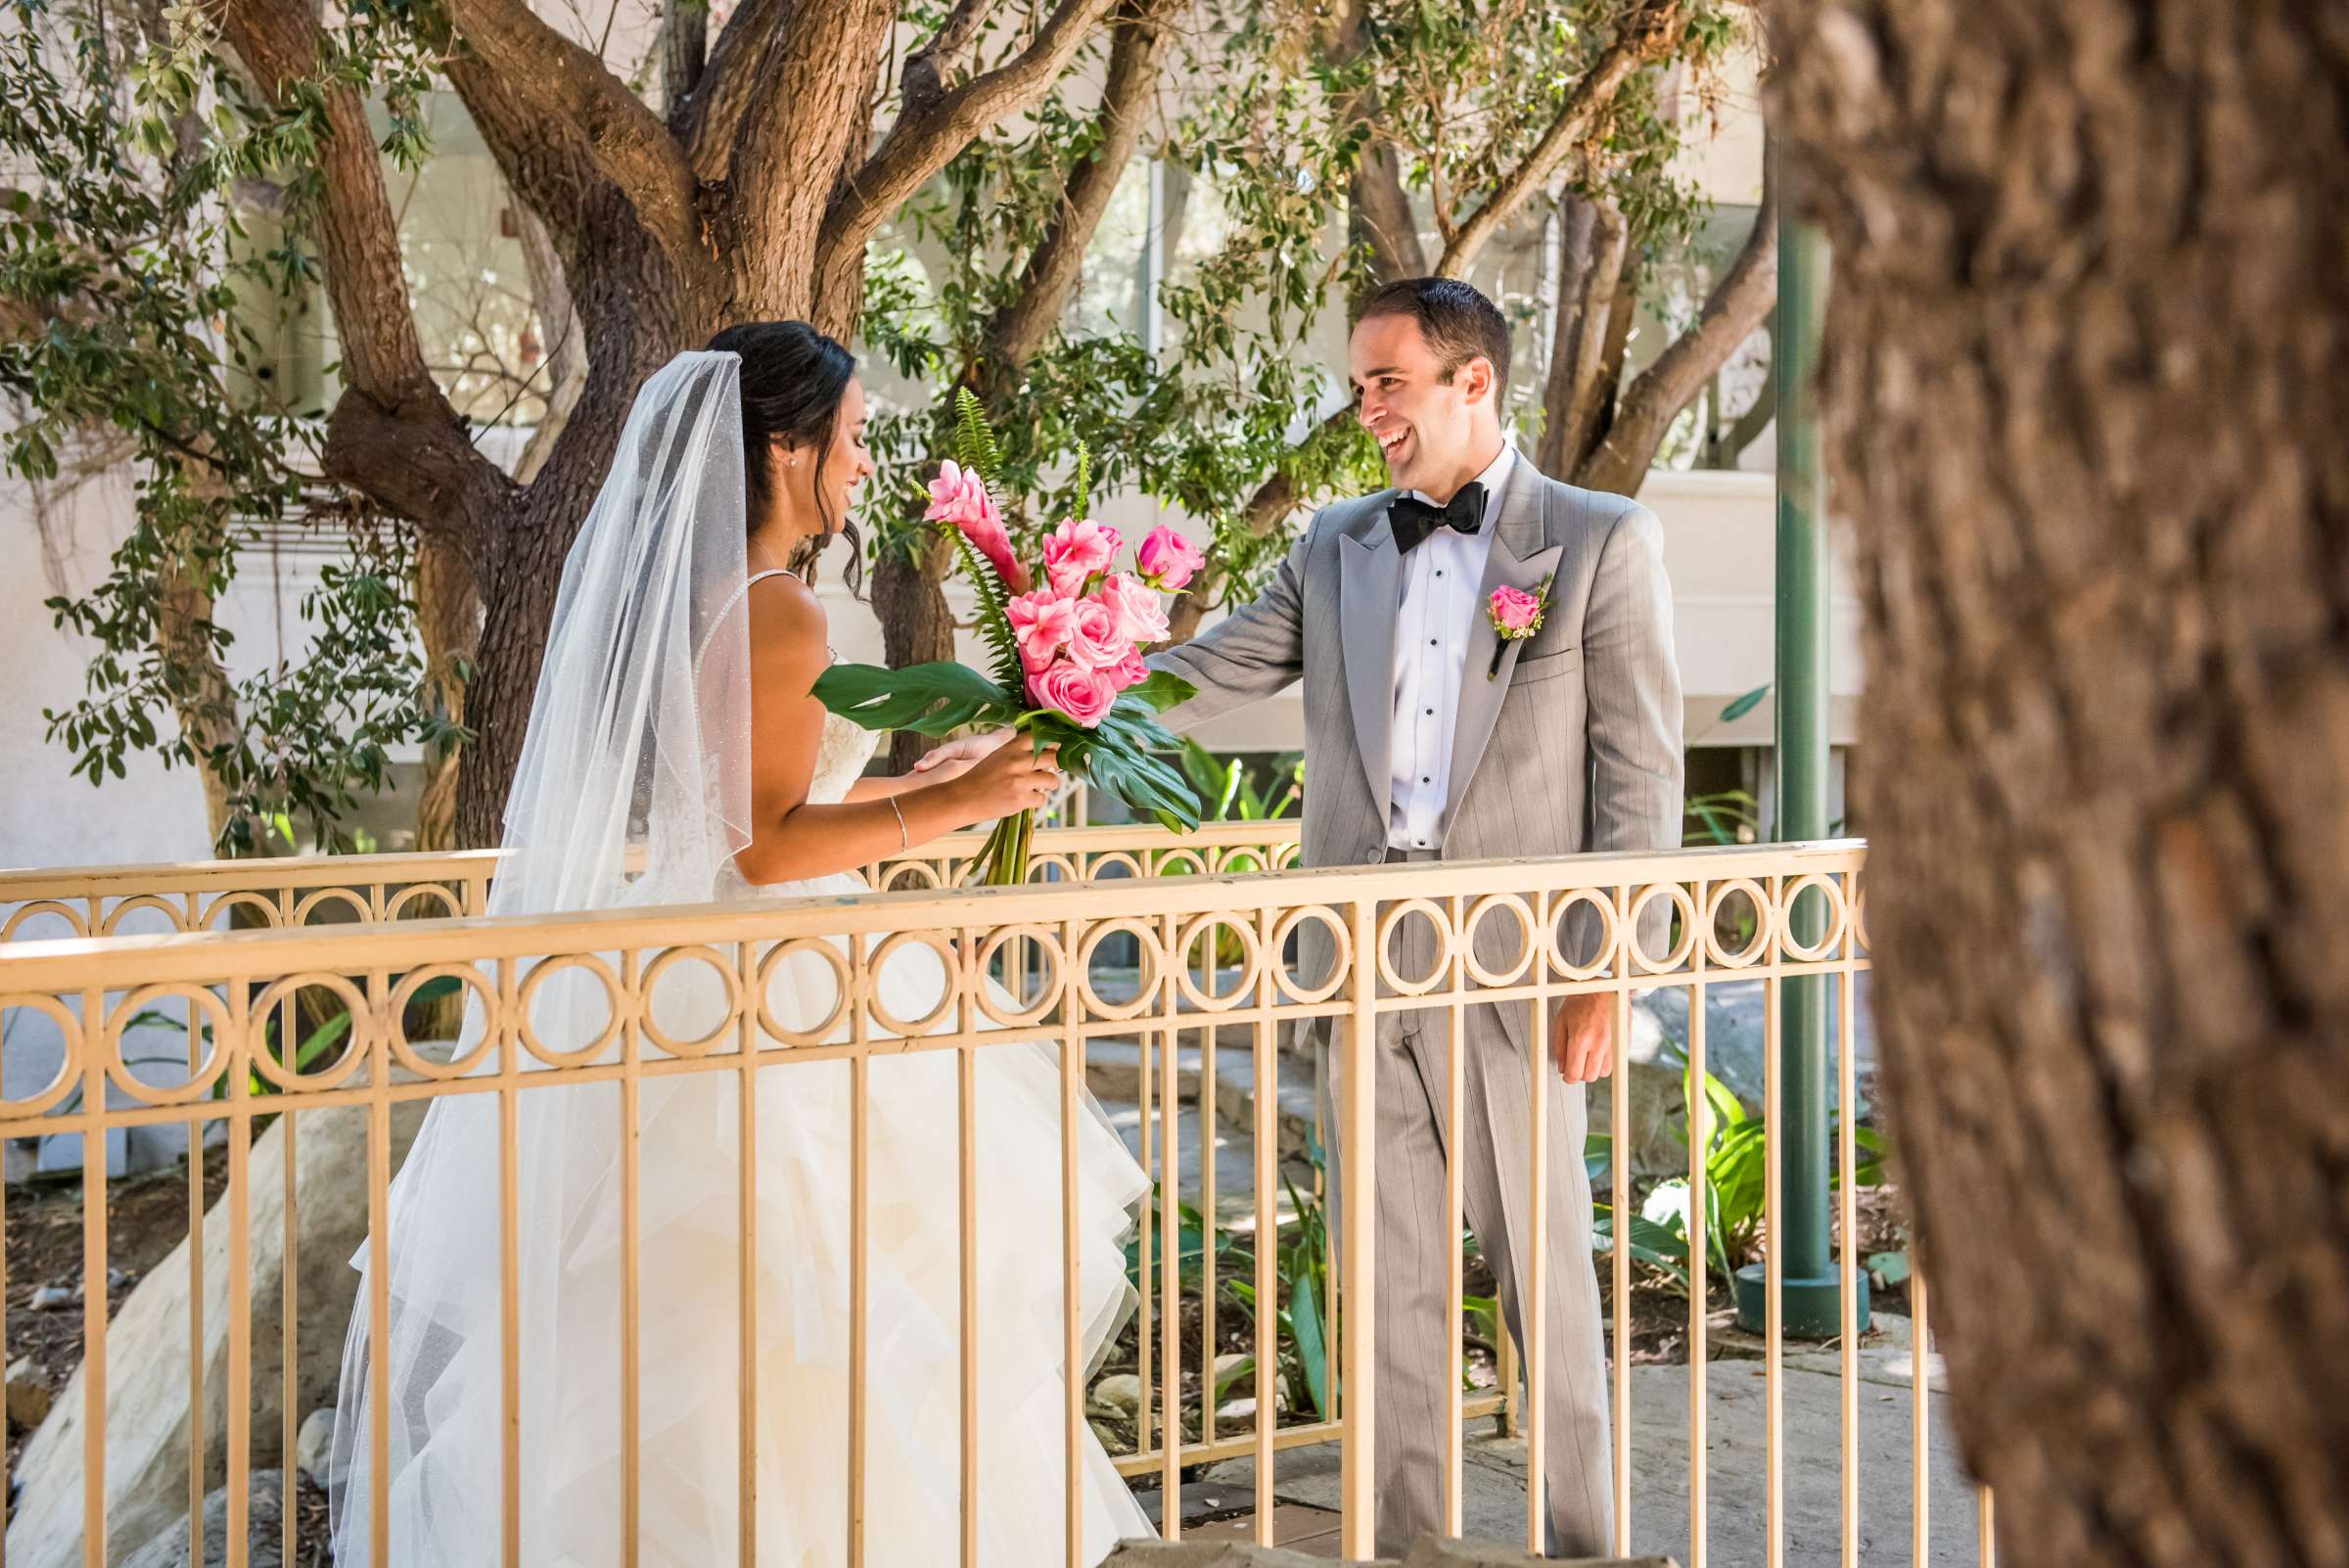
[1494,1473]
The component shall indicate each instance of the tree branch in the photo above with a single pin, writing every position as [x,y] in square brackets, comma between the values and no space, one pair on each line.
[1592,249]
[392,434]
[1057,265]
[1737,305]
[1383,218]
[1645,32]
[684,49]
[924,140]
[806,119]
[577,107]
[706,121]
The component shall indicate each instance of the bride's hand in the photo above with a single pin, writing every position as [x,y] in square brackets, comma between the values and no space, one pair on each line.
[1008,779]
[959,756]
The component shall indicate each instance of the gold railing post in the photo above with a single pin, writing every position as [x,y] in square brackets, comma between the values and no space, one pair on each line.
[1359,1197]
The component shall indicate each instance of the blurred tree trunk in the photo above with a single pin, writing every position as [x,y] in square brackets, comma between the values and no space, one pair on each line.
[2084,401]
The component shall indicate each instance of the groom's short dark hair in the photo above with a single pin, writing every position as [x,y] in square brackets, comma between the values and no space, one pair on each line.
[1458,322]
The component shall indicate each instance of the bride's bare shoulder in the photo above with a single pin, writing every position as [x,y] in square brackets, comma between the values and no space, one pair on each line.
[787,624]
[785,610]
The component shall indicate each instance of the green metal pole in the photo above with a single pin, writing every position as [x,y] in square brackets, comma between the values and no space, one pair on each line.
[1801,1232]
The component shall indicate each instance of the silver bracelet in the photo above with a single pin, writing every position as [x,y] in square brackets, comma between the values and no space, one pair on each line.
[904,839]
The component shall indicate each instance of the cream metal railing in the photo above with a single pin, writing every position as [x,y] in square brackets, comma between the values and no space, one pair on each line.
[90,989]
[52,903]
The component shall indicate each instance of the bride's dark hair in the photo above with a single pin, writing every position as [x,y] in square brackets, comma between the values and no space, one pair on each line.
[793,379]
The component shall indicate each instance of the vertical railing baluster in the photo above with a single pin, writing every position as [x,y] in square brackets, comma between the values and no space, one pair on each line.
[746,1307]
[198,1439]
[1072,1067]
[1619,1165]
[1920,1351]
[1264,1139]
[1169,1239]
[1847,1265]
[379,1290]
[860,1240]
[1455,1288]
[1533,1312]
[966,1155]
[631,1325]
[1358,1199]
[99,1042]
[1773,1461]
[237,1050]
[1700,1132]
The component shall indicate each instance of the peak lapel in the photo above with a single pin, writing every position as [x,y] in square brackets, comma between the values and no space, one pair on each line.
[1521,557]
[1369,590]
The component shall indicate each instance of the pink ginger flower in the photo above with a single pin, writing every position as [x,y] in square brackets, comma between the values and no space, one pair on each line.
[960,497]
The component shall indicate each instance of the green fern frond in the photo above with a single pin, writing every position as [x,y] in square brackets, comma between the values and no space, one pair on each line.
[994,619]
[1085,478]
[974,442]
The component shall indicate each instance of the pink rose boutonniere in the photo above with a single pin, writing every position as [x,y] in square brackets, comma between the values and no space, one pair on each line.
[1516,615]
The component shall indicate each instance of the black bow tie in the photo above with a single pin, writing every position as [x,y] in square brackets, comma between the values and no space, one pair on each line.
[1415,520]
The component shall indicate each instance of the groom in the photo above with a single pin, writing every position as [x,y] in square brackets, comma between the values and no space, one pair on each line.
[1573,746]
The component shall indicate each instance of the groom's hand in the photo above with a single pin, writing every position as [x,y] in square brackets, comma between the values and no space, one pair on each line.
[1582,1038]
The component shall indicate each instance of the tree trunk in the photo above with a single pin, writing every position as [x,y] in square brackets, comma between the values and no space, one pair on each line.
[917,627]
[1590,249]
[2084,403]
[448,623]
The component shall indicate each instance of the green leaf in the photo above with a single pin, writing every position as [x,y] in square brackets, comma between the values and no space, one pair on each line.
[1745,704]
[934,699]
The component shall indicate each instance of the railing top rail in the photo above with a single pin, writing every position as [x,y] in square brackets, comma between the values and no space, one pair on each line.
[25,885]
[120,962]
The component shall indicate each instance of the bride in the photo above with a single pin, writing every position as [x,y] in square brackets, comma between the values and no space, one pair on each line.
[675,755]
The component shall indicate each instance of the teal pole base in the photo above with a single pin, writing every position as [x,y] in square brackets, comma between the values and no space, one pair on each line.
[1808,1307]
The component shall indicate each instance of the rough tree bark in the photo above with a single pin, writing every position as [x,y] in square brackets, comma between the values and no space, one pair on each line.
[2084,407]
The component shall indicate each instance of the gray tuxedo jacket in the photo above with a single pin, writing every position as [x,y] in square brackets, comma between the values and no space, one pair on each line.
[1575,747]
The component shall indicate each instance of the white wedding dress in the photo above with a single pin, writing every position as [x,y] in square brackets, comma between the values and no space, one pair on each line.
[445,1483]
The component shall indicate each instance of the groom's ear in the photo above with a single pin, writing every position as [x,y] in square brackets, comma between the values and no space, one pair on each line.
[1475,378]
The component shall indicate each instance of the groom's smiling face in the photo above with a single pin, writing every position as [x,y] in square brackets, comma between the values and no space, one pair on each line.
[1435,428]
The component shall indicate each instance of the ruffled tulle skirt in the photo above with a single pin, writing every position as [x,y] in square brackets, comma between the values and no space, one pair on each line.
[446,1443]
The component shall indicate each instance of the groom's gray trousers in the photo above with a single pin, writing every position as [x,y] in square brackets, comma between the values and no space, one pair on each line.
[1416,1350]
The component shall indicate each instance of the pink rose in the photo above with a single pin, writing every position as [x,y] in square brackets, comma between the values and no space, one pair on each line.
[1515,613]
[1083,694]
[1094,640]
[1044,622]
[1130,672]
[1075,550]
[1167,560]
[960,497]
[1135,609]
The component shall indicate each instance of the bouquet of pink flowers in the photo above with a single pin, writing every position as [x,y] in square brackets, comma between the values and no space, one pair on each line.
[1066,637]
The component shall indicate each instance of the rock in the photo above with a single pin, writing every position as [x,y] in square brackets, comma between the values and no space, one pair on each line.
[1121,1392]
[147,1347]
[314,1443]
[55,1298]
[29,1397]
[264,1499]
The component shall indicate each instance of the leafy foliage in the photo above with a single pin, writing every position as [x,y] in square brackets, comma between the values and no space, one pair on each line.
[157,275]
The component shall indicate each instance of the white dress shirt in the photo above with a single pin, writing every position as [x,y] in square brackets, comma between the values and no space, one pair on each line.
[1439,610]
